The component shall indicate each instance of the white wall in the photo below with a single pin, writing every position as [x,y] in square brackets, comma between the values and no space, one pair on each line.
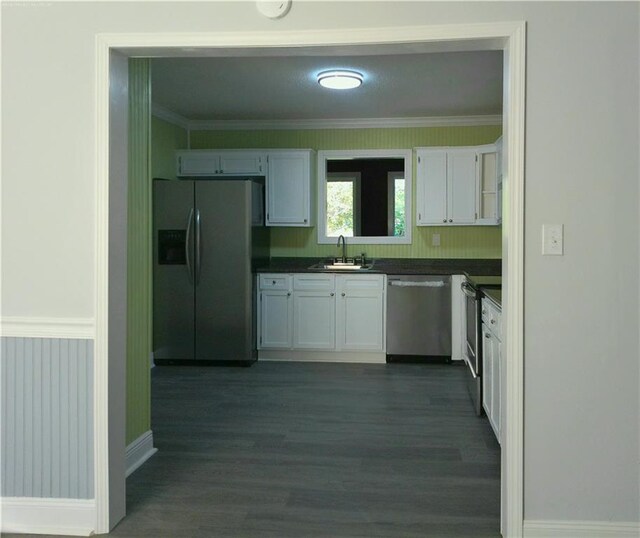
[581,326]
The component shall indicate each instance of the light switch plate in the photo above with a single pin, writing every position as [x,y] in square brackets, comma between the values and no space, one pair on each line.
[552,240]
[435,240]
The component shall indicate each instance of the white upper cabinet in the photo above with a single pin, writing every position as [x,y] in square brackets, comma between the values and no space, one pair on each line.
[457,186]
[461,186]
[289,188]
[207,163]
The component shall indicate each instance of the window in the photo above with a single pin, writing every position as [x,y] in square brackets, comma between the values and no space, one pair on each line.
[343,204]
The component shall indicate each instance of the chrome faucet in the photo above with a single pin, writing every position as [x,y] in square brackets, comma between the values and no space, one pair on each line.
[344,248]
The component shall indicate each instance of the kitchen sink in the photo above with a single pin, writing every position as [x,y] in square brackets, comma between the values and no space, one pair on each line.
[338,265]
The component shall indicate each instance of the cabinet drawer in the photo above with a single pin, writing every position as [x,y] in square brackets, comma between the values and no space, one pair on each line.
[314,282]
[276,281]
[361,282]
[492,317]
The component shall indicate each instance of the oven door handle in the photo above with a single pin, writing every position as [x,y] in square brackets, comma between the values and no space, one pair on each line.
[468,361]
[467,291]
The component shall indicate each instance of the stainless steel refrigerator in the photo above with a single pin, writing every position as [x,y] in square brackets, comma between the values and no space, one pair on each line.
[207,237]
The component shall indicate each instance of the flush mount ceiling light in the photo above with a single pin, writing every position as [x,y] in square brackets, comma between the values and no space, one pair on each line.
[341,79]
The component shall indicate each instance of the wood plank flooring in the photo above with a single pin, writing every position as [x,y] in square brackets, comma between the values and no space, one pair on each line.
[315,450]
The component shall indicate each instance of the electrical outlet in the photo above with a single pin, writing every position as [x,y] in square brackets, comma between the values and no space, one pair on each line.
[552,240]
[435,240]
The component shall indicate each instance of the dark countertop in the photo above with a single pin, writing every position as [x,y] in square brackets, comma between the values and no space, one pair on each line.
[392,266]
[493,295]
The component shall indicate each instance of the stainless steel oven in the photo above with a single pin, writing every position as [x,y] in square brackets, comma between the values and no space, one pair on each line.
[473,353]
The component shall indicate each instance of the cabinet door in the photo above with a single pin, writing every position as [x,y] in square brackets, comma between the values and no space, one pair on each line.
[431,189]
[461,186]
[496,397]
[197,163]
[487,372]
[487,186]
[288,189]
[275,319]
[314,320]
[242,162]
[361,312]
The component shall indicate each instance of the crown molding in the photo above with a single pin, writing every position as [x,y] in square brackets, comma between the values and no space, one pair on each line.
[337,123]
[170,116]
[344,123]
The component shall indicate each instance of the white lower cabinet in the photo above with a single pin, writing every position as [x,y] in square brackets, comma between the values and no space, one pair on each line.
[328,313]
[314,311]
[360,312]
[492,386]
[275,319]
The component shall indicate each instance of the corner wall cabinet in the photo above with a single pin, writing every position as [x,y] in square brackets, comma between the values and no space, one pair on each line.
[323,312]
[457,186]
[492,367]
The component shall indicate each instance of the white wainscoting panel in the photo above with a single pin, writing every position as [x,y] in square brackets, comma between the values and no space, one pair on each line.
[47,418]
[580,529]
[25,515]
[140,451]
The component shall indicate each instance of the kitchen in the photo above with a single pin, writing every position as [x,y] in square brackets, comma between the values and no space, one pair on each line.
[291,283]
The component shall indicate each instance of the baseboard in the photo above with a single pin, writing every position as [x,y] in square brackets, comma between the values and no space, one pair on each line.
[29,515]
[140,451]
[580,529]
[375,357]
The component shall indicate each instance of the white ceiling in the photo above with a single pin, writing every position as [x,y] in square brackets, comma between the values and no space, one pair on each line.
[398,83]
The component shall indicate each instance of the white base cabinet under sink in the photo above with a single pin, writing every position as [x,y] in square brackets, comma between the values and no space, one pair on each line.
[322,316]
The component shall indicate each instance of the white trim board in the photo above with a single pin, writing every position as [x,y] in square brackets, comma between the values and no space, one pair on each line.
[333,123]
[580,529]
[30,515]
[139,451]
[33,327]
[376,357]
[511,36]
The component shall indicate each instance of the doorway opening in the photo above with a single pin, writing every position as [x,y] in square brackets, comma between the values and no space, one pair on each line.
[511,40]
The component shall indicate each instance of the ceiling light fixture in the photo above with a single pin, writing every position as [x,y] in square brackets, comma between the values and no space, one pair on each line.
[341,79]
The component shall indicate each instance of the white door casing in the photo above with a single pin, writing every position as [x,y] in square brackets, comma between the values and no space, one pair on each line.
[513,35]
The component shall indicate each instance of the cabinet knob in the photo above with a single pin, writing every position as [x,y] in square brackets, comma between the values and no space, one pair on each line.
[274,283]
[493,321]
[343,294]
[331,294]
[288,294]
[305,220]
[487,335]
[444,220]
[450,220]
[483,310]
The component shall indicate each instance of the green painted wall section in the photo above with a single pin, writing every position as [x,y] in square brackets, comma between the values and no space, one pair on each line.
[139,289]
[455,242]
[166,138]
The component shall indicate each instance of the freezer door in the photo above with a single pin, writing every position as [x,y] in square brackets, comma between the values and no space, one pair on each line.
[173,290]
[223,270]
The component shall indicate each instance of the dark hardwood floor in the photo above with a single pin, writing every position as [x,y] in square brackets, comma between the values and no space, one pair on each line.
[315,450]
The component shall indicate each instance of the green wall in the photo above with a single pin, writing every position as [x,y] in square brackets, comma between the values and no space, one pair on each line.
[139,289]
[455,242]
[166,138]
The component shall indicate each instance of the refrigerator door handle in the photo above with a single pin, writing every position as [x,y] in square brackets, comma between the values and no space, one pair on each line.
[187,254]
[198,255]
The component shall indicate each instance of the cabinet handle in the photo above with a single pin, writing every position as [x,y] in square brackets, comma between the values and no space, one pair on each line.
[343,294]
[419,216]
[305,220]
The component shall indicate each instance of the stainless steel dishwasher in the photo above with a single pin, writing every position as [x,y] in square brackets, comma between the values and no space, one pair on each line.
[418,317]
